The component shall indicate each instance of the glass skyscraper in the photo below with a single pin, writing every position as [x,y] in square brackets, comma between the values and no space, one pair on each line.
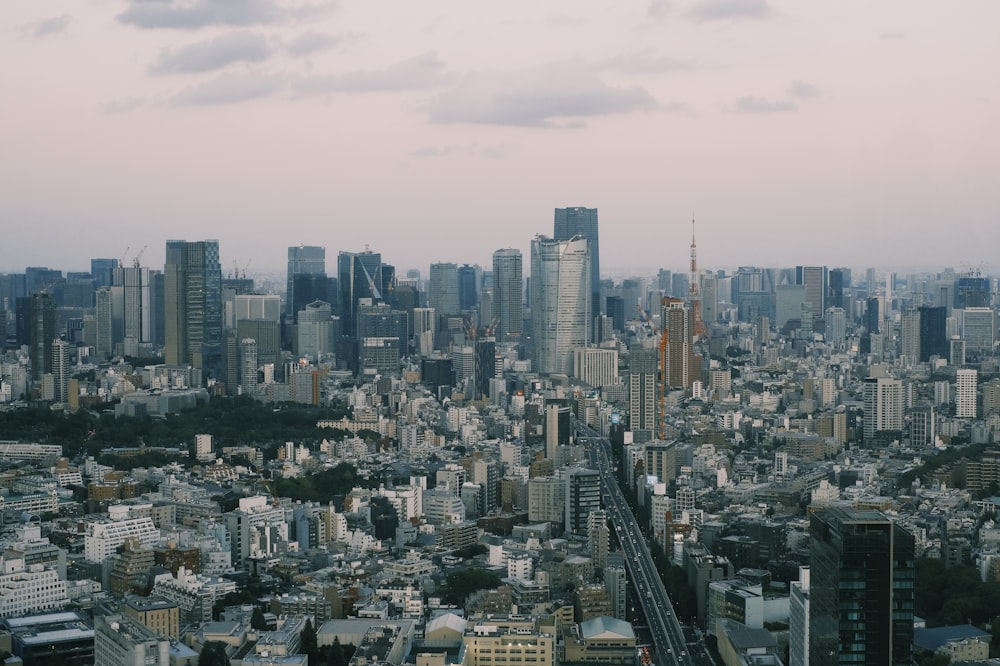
[560,301]
[578,221]
[193,305]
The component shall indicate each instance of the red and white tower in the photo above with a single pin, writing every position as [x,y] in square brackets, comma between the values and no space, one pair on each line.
[694,298]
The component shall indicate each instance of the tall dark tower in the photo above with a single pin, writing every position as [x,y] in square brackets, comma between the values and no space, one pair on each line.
[578,221]
[192,279]
[302,260]
[861,589]
[359,276]
[933,332]
[42,333]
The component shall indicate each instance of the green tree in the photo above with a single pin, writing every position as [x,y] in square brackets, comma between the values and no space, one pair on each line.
[213,654]
[257,619]
[308,643]
[460,584]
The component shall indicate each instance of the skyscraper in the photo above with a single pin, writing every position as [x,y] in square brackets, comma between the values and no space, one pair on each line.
[359,276]
[193,312]
[814,279]
[677,325]
[468,287]
[560,301]
[43,332]
[132,305]
[860,589]
[966,382]
[302,260]
[933,332]
[883,401]
[507,294]
[577,221]
[442,289]
[909,336]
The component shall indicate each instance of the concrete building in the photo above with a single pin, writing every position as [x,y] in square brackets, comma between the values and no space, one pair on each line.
[561,301]
[121,641]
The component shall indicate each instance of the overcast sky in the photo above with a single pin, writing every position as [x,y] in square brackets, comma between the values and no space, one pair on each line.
[842,133]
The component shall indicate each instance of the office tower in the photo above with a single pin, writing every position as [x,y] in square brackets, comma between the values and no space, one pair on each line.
[909,336]
[560,301]
[972,291]
[839,283]
[315,330]
[615,307]
[583,496]
[308,288]
[42,333]
[632,292]
[468,289]
[598,537]
[873,319]
[933,332]
[382,334]
[303,260]
[789,300]
[104,323]
[557,428]
[883,401]
[101,270]
[836,326]
[132,307]
[860,589]
[813,278]
[595,367]
[572,222]
[193,308]
[677,325]
[642,392]
[922,425]
[257,306]
[966,382]
[956,351]
[798,620]
[248,367]
[442,289]
[359,276]
[679,285]
[709,298]
[508,294]
[267,334]
[979,329]
[60,370]
[485,367]
[40,278]
[991,398]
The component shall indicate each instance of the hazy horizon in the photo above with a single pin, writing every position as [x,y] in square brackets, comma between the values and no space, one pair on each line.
[844,134]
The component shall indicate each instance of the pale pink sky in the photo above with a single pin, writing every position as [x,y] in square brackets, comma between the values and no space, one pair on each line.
[843,133]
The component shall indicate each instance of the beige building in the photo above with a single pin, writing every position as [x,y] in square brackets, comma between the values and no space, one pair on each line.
[155,613]
[601,640]
[511,640]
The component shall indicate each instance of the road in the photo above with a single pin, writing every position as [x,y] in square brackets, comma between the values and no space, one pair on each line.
[669,645]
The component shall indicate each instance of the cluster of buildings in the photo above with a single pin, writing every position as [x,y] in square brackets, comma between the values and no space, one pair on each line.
[773,426]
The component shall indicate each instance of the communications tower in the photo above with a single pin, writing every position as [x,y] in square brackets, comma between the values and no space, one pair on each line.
[694,298]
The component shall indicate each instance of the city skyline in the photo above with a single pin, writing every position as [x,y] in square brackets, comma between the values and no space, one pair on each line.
[842,134]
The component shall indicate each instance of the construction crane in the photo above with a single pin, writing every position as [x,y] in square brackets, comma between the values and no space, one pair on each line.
[138,257]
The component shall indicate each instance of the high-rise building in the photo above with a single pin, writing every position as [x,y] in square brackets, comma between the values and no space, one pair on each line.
[193,307]
[798,620]
[840,282]
[577,221]
[101,271]
[133,310]
[442,289]
[248,366]
[909,336]
[966,382]
[883,403]
[560,301]
[315,330]
[468,287]
[836,326]
[303,260]
[382,334]
[642,392]
[979,325]
[508,294]
[359,276]
[60,370]
[933,332]
[557,428]
[104,322]
[814,279]
[583,496]
[678,326]
[42,333]
[860,589]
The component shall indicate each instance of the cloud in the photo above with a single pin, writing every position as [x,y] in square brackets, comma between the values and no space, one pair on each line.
[753,104]
[213,54]
[124,105]
[474,150]
[645,62]
[724,10]
[658,9]
[557,95]
[46,27]
[417,73]
[312,41]
[194,14]
[803,90]
[229,89]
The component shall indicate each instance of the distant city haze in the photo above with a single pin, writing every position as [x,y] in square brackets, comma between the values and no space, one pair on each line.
[839,134]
